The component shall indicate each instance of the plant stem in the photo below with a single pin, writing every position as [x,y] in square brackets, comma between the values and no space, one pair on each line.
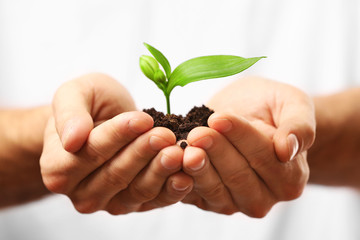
[167,96]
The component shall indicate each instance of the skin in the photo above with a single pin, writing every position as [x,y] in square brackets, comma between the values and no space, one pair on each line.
[334,159]
[89,125]
[254,135]
[104,155]
[90,133]
[20,149]
[116,174]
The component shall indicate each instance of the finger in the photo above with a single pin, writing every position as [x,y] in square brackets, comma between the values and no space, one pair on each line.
[248,191]
[66,170]
[295,128]
[207,182]
[78,102]
[285,180]
[193,198]
[148,183]
[52,170]
[72,111]
[111,136]
[116,174]
[176,188]
[252,144]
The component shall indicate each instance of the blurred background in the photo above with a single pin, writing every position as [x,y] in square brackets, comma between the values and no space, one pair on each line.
[313,45]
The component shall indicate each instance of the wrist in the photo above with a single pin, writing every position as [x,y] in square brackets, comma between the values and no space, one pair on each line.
[334,157]
[21,138]
[22,130]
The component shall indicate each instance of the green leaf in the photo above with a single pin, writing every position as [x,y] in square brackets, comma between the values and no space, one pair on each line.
[160,58]
[159,76]
[208,67]
[148,66]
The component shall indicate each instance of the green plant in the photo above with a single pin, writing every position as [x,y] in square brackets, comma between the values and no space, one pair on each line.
[195,69]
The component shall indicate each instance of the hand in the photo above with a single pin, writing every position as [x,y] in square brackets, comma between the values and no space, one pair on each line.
[104,155]
[242,162]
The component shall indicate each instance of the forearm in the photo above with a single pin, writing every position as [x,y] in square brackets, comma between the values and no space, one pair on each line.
[21,138]
[334,158]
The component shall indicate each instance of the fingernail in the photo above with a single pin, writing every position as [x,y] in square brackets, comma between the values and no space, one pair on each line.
[222,124]
[178,187]
[205,142]
[157,143]
[199,166]
[168,163]
[293,144]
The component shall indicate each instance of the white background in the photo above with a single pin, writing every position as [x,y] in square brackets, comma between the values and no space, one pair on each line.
[310,44]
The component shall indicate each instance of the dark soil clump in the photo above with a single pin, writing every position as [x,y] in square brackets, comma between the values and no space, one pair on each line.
[180,125]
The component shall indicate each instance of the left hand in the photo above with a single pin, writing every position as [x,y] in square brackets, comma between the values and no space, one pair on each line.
[242,162]
[104,155]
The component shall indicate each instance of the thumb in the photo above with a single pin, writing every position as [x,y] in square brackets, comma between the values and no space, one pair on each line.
[72,112]
[295,129]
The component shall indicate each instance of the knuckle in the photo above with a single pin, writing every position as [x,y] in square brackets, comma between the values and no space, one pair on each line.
[201,205]
[140,193]
[260,157]
[295,184]
[86,205]
[95,154]
[58,178]
[193,199]
[292,191]
[117,209]
[163,202]
[257,210]
[140,152]
[167,200]
[57,184]
[115,177]
[171,197]
[226,210]
[259,205]
[237,178]
[117,135]
[146,207]
[215,191]
[258,161]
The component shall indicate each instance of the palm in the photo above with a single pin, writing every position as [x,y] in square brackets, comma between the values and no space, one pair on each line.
[258,100]
[282,128]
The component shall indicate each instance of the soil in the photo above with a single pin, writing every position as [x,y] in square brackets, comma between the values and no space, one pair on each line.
[180,125]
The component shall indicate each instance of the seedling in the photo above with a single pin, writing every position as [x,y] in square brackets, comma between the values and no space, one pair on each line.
[195,69]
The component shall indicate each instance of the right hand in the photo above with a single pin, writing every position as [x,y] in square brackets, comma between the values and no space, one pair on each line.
[105,155]
[253,154]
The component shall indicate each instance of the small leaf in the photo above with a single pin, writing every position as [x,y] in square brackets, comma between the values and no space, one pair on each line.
[148,66]
[208,67]
[160,58]
[159,76]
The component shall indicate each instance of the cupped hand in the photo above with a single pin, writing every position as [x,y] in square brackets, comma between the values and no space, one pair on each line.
[254,153]
[104,155]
